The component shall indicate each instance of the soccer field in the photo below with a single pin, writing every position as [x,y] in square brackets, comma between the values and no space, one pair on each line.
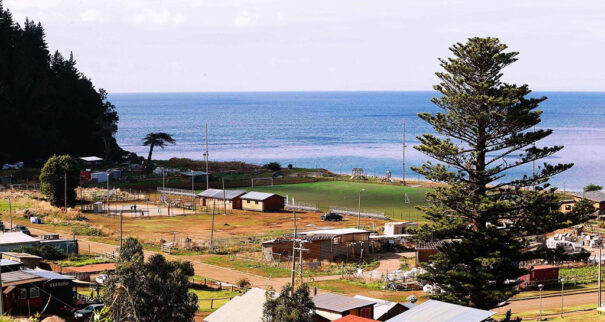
[377,197]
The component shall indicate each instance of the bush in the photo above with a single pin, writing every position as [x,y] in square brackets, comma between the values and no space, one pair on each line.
[58,172]
[273,166]
[243,283]
[44,251]
[592,187]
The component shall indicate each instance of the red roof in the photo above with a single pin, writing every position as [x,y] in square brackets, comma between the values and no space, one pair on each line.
[353,318]
[538,267]
[92,268]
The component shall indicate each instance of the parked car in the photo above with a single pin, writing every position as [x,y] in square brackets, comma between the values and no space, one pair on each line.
[22,229]
[87,312]
[330,216]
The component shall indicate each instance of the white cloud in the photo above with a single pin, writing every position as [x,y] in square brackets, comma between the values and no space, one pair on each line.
[159,17]
[90,16]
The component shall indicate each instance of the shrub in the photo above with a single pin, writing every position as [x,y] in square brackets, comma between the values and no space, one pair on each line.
[243,283]
[273,166]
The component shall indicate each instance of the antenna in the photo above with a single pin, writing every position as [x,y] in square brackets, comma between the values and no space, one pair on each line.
[403,149]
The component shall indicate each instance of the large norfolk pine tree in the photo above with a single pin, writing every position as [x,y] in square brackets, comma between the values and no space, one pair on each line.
[484,131]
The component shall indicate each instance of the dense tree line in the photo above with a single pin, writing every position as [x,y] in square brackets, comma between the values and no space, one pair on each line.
[48,106]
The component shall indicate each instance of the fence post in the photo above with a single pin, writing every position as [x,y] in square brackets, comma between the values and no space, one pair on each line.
[211,304]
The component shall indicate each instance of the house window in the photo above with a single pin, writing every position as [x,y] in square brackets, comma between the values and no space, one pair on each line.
[256,202]
[567,207]
[247,201]
[22,293]
[34,292]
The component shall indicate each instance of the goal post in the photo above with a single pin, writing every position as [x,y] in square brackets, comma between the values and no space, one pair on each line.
[261,179]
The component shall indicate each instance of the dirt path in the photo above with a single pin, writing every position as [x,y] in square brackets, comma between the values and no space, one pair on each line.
[389,262]
[550,303]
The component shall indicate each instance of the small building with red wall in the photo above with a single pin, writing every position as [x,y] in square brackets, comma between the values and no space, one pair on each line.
[540,274]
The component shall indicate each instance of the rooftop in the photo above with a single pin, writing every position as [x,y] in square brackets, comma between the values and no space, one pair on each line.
[598,195]
[218,193]
[49,275]
[383,306]
[91,159]
[8,262]
[339,303]
[16,238]
[246,307]
[21,255]
[438,311]
[253,195]
[92,268]
[353,318]
[20,277]
[340,231]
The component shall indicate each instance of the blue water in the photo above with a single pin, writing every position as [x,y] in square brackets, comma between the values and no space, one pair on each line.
[340,130]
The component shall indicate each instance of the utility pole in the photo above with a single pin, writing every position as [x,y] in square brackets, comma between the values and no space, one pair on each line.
[599,244]
[224,200]
[212,228]
[293,251]
[403,149]
[562,292]
[206,157]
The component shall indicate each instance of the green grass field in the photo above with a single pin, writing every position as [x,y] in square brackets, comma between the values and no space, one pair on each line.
[377,197]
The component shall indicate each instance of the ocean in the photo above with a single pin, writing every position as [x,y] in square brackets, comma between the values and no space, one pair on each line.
[341,130]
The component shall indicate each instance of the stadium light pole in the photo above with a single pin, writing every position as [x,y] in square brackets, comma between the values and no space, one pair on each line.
[192,190]
[65,191]
[359,207]
[540,286]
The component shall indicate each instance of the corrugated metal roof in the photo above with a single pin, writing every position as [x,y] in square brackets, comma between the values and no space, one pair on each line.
[8,262]
[353,318]
[19,277]
[21,255]
[92,268]
[16,238]
[218,193]
[339,303]
[381,307]
[438,311]
[340,231]
[49,275]
[598,195]
[246,307]
[91,159]
[253,195]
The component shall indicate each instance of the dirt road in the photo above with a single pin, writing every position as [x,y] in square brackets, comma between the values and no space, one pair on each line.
[552,304]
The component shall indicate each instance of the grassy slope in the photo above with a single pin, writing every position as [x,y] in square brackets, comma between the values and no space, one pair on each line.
[379,197]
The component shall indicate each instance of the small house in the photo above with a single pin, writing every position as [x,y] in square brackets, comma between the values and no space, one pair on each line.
[262,201]
[540,274]
[22,293]
[597,197]
[384,310]
[329,244]
[437,311]
[91,161]
[57,285]
[397,228]
[28,260]
[230,199]
[246,307]
[88,272]
[10,241]
[424,251]
[330,306]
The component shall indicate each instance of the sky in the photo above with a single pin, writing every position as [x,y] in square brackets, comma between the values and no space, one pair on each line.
[283,45]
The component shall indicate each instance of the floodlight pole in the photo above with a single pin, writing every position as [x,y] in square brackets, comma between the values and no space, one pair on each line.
[225,200]
[107,172]
[600,245]
[403,149]
[359,208]
[120,229]
[10,213]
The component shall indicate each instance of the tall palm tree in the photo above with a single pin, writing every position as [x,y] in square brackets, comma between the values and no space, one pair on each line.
[159,139]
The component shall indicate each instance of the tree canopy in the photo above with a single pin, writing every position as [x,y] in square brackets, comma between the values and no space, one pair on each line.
[47,105]
[60,175]
[159,139]
[289,306]
[593,187]
[483,215]
[156,290]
